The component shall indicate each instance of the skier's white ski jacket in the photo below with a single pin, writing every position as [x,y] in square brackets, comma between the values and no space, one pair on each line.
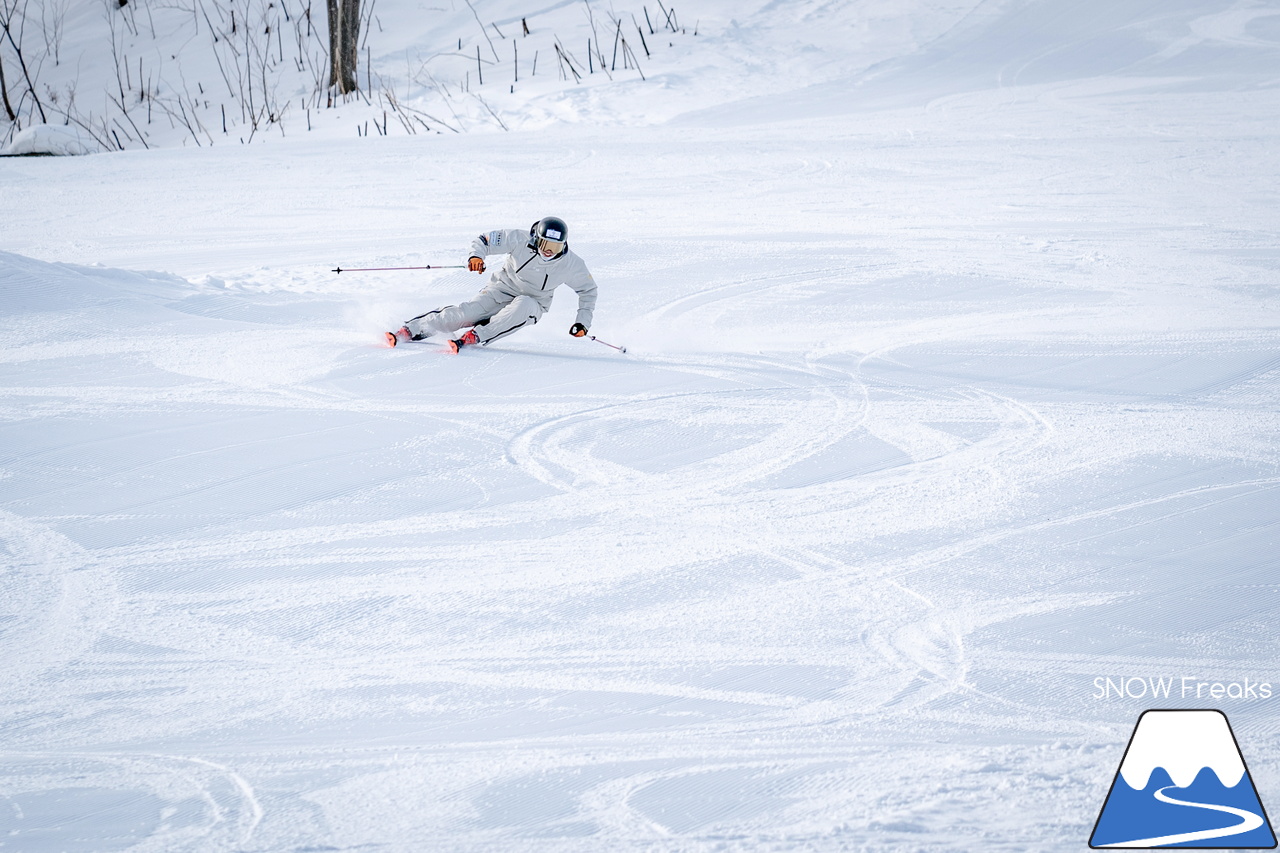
[527,273]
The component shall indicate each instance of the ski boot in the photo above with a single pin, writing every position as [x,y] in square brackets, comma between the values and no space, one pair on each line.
[467,340]
[400,334]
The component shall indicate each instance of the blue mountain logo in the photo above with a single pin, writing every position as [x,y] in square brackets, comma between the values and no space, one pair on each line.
[1183,783]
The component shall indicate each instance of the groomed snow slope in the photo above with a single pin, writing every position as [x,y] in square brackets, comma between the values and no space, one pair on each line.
[951,388]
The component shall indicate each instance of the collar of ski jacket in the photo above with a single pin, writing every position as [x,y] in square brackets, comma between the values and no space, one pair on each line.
[537,256]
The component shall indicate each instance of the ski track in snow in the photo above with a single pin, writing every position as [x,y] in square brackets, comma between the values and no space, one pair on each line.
[981,408]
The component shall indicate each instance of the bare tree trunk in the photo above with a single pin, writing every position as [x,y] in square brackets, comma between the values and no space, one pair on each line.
[344,38]
[6,22]
[4,92]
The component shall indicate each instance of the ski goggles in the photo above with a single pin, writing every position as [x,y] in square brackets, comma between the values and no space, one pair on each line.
[553,247]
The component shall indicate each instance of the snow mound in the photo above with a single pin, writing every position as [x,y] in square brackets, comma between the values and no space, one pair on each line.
[51,139]
[28,285]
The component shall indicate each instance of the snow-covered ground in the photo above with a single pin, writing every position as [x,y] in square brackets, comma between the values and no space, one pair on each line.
[950,393]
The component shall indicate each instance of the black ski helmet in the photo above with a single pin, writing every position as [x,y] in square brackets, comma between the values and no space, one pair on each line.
[549,230]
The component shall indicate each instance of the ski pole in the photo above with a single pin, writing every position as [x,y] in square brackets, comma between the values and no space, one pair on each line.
[385,269]
[606,343]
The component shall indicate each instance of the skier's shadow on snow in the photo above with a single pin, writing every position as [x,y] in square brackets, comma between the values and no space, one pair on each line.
[548,354]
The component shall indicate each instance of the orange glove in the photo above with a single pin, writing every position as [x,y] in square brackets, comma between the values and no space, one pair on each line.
[577,330]
[475,264]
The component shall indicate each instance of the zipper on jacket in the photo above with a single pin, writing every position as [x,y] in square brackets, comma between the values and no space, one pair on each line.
[526,263]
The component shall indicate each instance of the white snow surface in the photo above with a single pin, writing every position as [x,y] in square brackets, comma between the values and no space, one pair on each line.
[1183,743]
[951,388]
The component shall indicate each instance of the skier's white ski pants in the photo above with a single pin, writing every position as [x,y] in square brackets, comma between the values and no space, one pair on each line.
[504,312]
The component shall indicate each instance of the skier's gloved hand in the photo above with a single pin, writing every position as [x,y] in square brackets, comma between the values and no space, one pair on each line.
[577,330]
[475,264]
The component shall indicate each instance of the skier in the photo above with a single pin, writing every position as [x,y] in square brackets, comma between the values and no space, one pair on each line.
[518,294]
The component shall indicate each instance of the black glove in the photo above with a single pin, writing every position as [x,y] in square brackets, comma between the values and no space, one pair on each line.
[577,330]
